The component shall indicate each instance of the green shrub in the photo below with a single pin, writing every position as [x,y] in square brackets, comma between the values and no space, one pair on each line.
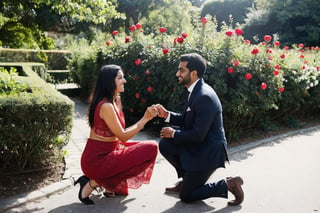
[54,59]
[259,85]
[9,84]
[35,123]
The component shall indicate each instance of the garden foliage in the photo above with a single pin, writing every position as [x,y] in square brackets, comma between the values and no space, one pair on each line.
[260,85]
[35,121]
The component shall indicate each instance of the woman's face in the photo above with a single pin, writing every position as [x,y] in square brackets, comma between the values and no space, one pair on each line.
[120,81]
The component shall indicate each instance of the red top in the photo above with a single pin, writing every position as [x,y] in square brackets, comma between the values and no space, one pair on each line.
[99,125]
[114,165]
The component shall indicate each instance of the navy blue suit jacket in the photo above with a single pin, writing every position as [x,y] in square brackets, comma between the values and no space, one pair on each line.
[201,135]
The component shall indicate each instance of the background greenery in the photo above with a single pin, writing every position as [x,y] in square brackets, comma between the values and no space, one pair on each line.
[35,120]
[47,24]
[150,61]
[262,83]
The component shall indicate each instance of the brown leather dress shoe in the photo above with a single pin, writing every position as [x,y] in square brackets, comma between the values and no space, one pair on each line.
[234,186]
[175,189]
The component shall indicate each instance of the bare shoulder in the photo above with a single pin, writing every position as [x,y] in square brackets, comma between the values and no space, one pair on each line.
[106,107]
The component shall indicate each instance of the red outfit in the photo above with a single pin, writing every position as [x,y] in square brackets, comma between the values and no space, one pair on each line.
[117,166]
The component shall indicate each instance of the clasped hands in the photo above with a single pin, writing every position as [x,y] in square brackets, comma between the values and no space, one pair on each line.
[157,110]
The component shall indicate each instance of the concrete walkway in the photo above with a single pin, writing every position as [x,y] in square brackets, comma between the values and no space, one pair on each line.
[281,175]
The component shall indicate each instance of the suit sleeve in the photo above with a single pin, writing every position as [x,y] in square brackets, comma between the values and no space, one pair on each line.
[176,119]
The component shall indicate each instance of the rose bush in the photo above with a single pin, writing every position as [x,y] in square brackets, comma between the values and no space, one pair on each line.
[260,86]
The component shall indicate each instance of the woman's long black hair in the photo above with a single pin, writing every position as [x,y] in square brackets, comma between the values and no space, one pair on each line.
[104,88]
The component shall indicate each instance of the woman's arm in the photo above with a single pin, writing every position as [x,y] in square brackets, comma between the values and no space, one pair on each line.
[108,114]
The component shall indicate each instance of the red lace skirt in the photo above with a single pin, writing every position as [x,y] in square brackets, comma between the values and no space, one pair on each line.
[118,166]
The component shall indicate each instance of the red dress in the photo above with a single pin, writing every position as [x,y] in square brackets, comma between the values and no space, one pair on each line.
[117,166]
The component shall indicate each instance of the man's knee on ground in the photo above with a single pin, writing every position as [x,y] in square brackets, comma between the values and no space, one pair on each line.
[186,198]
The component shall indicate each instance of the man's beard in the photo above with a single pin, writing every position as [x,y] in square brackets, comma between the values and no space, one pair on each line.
[184,81]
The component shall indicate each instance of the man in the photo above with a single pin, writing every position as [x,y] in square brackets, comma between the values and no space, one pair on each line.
[198,146]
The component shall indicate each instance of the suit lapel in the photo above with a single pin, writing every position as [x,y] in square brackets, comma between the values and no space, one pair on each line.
[195,91]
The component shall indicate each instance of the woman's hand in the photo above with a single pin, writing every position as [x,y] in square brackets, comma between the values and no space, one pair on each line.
[151,112]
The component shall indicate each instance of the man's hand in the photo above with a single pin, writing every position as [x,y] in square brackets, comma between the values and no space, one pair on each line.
[167,132]
[162,112]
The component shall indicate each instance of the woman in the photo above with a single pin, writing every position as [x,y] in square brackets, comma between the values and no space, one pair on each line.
[108,160]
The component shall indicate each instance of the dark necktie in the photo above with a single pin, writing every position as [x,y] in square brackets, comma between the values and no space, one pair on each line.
[186,99]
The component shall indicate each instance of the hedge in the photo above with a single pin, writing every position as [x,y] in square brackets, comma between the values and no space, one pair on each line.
[35,121]
[261,86]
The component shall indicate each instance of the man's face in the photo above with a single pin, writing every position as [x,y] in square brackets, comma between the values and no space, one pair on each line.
[183,74]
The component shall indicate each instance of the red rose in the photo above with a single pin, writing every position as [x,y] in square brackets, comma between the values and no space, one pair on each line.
[162,29]
[276,72]
[132,28]
[229,33]
[301,45]
[263,43]
[175,40]
[108,43]
[127,40]
[137,95]
[301,56]
[263,86]
[269,51]
[180,40]
[248,76]
[255,51]
[137,62]
[143,100]
[238,31]
[184,35]
[277,67]
[267,38]
[286,47]
[204,20]
[138,26]
[150,89]
[247,42]
[276,43]
[236,63]
[147,72]
[282,56]
[115,32]
[281,89]
[230,70]
[165,51]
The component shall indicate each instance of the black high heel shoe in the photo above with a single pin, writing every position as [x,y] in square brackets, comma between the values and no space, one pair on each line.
[83,180]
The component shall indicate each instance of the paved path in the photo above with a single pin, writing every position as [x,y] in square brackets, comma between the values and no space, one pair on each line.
[281,175]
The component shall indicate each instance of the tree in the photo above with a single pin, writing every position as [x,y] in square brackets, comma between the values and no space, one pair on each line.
[24,22]
[197,3]
[134,11]
[295,21]
[225,11]
[175,15]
